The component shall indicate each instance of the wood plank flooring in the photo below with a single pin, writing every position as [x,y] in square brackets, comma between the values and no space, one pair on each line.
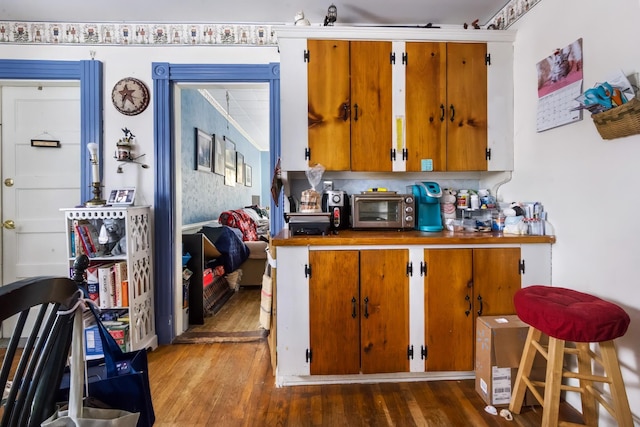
[240,313]
[232,384]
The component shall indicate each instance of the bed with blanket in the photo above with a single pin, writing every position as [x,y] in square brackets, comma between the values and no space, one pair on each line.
[225,256]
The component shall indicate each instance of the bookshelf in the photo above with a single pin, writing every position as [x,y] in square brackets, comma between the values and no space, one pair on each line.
[117,241]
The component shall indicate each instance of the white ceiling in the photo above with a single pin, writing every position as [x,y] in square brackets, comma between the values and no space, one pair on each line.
[249,103]
[350,12]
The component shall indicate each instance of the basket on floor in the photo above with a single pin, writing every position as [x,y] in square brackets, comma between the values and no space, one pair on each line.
[620,121]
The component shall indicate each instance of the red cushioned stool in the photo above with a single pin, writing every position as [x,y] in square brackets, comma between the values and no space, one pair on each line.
[565,315]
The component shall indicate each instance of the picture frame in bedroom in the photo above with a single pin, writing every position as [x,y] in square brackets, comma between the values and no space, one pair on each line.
[203,151]
[230,163]
[240,168]
[218,154]
[247,175]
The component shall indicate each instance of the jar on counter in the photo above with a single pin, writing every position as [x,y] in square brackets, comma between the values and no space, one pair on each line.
[462,201]
[474,202]
[497,221]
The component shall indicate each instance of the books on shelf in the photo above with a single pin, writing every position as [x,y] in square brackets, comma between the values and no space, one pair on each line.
[85,239]
[113,290]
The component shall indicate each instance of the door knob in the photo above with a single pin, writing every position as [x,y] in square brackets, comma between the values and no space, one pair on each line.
[8,182]
[9,224]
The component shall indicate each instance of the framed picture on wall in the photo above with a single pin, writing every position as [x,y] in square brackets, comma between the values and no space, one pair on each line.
[239,168]
[229,153]
[218,154]
[247,175]
[229,163]
[203,151]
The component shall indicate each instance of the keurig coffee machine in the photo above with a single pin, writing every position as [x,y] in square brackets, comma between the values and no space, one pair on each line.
[427,197]
[336,202]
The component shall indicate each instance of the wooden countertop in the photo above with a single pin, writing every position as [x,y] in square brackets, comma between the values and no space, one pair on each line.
[410,237]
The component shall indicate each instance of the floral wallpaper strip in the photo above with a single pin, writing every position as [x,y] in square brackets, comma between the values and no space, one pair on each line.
[182,34]
[509,14]
[136,34]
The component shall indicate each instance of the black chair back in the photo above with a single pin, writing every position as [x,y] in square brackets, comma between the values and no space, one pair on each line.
[38,349]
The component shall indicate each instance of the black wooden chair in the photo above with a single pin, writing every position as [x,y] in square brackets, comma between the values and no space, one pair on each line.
[33,366]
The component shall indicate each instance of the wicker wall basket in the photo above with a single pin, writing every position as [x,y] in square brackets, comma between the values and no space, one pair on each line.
[619,121]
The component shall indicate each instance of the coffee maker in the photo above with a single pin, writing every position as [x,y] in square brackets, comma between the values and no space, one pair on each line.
[427,198]
[336,202]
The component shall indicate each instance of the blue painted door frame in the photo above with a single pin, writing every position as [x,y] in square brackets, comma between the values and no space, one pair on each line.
[89,73]
[164,76]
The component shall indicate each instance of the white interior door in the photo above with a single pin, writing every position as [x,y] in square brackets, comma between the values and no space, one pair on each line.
[38,180]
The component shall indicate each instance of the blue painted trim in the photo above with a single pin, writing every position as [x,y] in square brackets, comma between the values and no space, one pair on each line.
[89,73]
[164,75]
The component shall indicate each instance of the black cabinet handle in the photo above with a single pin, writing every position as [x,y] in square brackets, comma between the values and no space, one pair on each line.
[356,117]
[345,112]
[353,307]
[480,311]
[468,299]
[441,112]
[366,307]
[453,113]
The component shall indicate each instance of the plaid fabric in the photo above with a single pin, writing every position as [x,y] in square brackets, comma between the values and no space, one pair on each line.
[242,221]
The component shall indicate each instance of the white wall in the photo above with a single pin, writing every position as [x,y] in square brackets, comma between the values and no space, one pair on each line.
[589,186]
[135,61]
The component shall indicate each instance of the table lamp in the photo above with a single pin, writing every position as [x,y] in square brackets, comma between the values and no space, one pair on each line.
[95,177]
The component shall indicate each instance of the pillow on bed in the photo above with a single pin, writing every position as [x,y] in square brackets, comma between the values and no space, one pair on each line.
[242,221]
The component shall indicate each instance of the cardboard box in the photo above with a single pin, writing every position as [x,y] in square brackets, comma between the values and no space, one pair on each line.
[499,344]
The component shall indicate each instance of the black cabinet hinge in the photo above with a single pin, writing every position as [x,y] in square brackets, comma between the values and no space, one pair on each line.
[392,58]
[307,270]
[423,352]
[487,59]
[410,352]
[405,58]
[521,267]
[405,154]
[307,153]
[309,355]
[306,56]
[409,269]
[488,154]
[423,268]
[392,154]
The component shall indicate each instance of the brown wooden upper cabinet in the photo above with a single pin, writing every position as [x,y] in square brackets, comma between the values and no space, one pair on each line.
[350,104]
[446,105]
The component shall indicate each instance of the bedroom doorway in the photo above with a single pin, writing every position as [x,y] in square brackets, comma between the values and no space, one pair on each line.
[238,112]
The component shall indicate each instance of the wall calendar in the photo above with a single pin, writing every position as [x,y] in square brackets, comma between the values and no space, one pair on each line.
[559,84]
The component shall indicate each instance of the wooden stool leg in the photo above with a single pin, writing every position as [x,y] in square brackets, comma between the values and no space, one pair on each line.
[553,381]
[589,403]
[618,393]
[524,370]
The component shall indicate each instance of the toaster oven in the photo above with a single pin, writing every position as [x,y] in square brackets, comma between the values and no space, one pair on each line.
[382,210]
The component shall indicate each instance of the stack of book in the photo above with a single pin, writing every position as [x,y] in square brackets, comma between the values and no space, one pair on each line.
[108,284]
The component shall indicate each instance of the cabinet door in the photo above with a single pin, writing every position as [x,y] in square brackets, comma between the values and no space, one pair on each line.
[329,104]
[384,302]
[425,104]
[467,107]
[496,278]
[371,95]
[448,317]
[334,312]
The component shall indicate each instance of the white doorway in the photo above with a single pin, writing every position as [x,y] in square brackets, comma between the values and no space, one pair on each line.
[38,178]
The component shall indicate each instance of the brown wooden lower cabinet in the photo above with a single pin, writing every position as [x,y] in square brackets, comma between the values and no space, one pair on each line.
[358,311]
[459,286]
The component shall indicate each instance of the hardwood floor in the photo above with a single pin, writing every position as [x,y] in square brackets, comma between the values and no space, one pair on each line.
[233,385]
[240,313]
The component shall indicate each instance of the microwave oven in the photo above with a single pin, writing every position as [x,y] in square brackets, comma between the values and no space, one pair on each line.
[382,210]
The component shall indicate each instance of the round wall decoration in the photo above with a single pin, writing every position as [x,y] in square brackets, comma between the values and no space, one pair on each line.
[130,96]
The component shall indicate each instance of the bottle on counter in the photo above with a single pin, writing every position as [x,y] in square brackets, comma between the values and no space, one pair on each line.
[462,201]
[474,201]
